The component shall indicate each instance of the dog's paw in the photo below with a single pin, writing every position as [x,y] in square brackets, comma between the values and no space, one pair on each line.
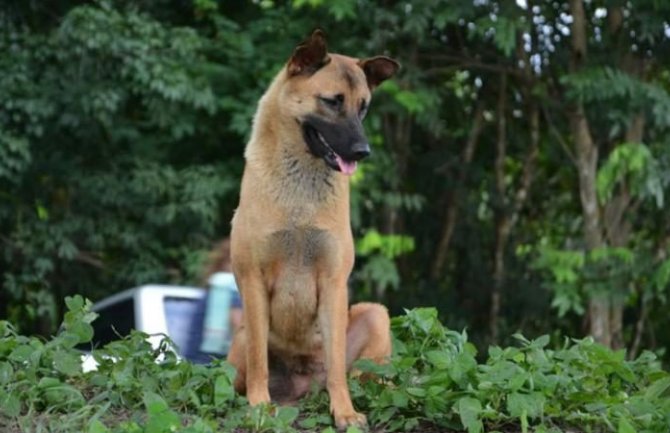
[259,397]
[342,421]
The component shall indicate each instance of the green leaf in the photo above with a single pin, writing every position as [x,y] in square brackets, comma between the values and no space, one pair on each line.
[541,342]
[399,399]
[10,405]
[531,405]
[625,426]
[6,373]
[469,410]
[342,9]
[634,165]
[309,423]
[438,358]
[21,354]
[59,394]
[425,318]
[462,364]
[287,414]
[67,363]
[416,392]
[154,403]
[83,331]
[96,426]
[411,424]
[505,35]
[74,303]
[658,388]
[223,390]
[47,382]
[161,418]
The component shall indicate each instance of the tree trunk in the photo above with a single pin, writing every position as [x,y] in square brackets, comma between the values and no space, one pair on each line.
[618,230]
[586,153]
[502,222]
[453,197]
[507,215]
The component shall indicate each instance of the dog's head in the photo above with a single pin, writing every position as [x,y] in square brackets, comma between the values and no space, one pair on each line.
[329,95]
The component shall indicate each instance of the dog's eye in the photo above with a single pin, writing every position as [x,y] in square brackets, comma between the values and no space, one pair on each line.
[335,102]
[364,109]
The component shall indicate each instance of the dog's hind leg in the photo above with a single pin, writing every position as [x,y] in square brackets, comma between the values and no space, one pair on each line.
[368,333]
[237,357]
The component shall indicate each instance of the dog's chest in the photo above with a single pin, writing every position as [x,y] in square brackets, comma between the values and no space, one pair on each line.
[296,257]
[300,247]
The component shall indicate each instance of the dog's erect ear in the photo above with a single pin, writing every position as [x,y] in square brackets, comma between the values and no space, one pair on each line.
[378,69]
[309,56]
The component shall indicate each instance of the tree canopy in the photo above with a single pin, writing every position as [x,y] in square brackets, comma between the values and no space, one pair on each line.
[518,178]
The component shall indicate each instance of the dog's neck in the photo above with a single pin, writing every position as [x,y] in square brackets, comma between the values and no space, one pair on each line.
[303,178]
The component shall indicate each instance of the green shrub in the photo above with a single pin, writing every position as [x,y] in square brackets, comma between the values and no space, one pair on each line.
[433,379]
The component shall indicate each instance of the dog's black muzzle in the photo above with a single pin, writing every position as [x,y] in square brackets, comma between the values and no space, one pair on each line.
[341,144]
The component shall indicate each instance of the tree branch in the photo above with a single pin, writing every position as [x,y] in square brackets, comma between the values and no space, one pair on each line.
[554,131]
[451,214]
[469,62]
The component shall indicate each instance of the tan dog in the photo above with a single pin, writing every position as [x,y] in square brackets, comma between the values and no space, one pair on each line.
[292,246]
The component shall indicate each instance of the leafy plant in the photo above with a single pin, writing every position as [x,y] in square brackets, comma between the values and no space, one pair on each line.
[96,191]
[634,164]
[380,271]
[433,378]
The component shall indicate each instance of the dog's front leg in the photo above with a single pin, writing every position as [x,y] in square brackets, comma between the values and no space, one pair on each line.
[333,317]
[256,319]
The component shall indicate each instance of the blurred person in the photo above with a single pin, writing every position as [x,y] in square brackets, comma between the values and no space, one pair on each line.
[219,313]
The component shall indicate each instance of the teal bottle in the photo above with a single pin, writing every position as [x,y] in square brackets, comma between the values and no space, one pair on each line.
[216,336]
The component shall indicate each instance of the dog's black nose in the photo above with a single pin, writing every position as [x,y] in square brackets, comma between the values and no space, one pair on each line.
[360,151]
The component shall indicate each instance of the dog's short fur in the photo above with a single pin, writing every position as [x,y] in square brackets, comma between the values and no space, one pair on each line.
[292,247]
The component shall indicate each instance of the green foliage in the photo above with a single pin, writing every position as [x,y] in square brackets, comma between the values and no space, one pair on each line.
[504,30]
[391,246]
[631,164]
[613,86]
[379,271]
[97,192]
[566,268]
[339,9]
[576,276]
[131,379]
[414,101]
[433,378]
[14,156]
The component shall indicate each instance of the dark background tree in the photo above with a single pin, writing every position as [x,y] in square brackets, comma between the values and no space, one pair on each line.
[519,170]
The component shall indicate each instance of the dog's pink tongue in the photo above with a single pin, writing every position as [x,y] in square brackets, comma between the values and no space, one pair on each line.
[346,167]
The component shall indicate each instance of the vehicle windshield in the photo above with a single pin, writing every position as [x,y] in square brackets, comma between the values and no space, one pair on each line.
[180,315]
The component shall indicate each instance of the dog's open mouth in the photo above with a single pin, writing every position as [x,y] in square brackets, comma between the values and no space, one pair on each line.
[319,147]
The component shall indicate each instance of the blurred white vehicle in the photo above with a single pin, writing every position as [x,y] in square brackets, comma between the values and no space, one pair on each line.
[152,309]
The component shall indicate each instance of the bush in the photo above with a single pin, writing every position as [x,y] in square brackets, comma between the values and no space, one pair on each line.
[433,380]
